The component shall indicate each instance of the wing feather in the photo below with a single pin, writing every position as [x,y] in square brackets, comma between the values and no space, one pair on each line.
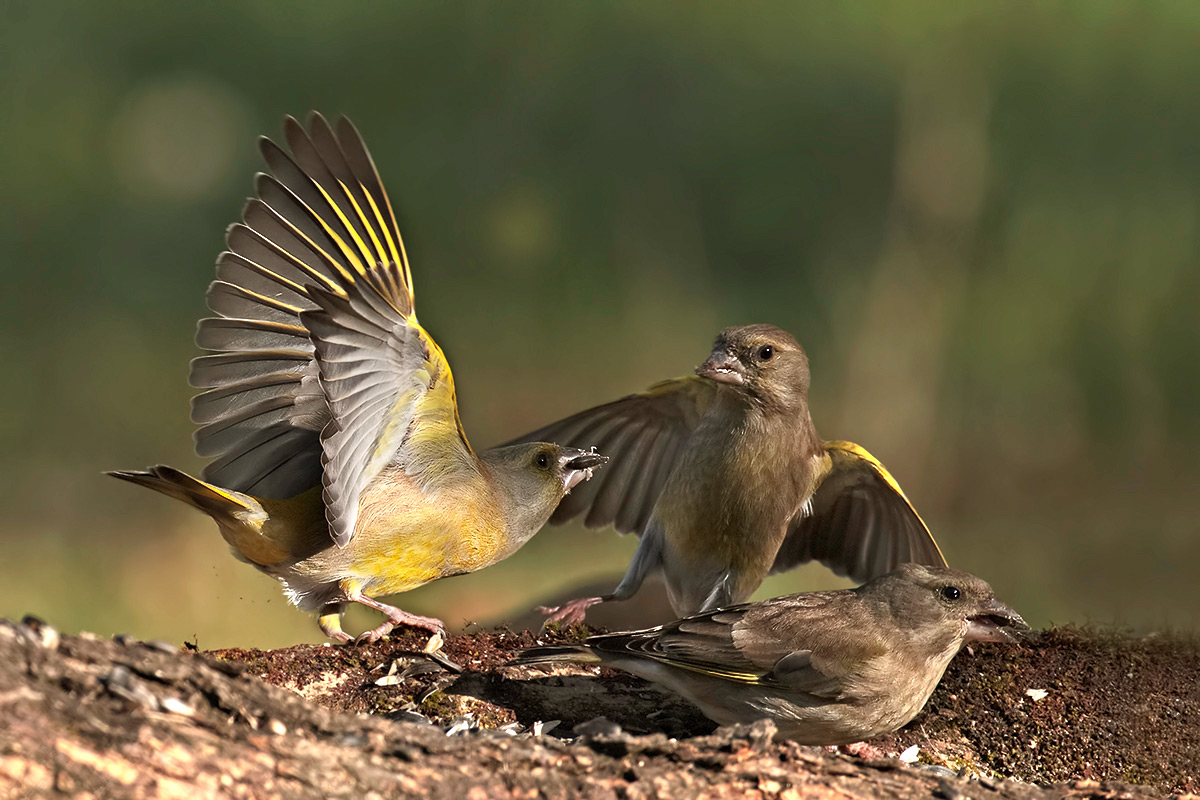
[643,434]
[777,643]
[614,489]
[382,377]
[861,523]
[318,366]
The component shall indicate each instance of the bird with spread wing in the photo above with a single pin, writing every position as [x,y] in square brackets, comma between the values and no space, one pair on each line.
[723,477]
[341,466]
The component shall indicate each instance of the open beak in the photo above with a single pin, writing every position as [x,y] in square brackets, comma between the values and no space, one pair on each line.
[577,465]
[996,623]
[723,367]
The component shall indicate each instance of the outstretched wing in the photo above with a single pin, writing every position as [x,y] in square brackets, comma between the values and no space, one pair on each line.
[861,524]
[794,642]
[643,434]
[321,370]
[390,394]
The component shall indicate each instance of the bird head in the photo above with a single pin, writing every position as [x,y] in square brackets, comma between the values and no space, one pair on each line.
[947,602]
[761,362]
[531,479]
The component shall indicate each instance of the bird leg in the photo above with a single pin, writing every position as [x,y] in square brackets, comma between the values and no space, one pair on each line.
[646,558]
[330,622]
[394,617]
[572,612]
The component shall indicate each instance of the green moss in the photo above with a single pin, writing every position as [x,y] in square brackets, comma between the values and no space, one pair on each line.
[439,707]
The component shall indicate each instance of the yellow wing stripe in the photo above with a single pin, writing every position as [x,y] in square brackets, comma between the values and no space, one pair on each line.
[370,255]
[271,302]
[402,259]
[740,677]
[296,262]
[348,251]
[383,257]
[335,263]
[281,327]
[861,452]
[396,257]
[377,256]
[290,283]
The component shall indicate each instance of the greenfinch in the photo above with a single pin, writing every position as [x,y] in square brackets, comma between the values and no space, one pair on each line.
[341,466]
[725,480]
[828,668]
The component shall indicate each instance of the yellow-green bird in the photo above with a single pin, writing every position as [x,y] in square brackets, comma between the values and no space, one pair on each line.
[724,478]
[342,468]
[828,667]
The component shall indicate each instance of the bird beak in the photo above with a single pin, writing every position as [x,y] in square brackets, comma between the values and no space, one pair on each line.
[723,367]
[996,623]
[577,465]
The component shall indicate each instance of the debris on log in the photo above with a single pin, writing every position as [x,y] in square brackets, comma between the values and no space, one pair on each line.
[1070,714]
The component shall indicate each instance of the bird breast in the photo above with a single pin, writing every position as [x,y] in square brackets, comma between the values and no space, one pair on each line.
[734,492]
[408,536]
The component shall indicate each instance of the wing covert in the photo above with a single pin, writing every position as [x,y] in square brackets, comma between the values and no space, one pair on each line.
[777,643]
[382,377]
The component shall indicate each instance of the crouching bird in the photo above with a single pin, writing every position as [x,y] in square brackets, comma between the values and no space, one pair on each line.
[342,468]
[724,478]
[828,668]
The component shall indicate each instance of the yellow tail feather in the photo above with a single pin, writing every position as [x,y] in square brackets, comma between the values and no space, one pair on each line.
[241,518]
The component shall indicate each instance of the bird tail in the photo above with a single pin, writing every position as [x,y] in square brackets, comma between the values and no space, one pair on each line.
[576,653]
[196,493]
[239,516]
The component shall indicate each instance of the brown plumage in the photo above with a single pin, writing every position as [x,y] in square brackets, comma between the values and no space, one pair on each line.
[724,478]
[828,667]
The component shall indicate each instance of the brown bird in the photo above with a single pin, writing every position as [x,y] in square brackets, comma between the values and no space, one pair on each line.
[342,468]
[724,478]
[827,667]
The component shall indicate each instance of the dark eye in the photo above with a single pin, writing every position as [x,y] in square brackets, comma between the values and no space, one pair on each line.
[542,460]
[950,592]
[765,352]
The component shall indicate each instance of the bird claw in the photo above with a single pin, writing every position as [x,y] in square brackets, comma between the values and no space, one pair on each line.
[395,617]
[570,613]
[375,634]
[860,750]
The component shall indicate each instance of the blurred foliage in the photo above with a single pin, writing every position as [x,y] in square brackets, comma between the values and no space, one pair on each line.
[980,219]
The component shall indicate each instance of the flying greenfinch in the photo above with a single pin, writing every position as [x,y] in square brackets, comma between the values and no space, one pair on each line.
[828,668]
[342,468]
[724,478]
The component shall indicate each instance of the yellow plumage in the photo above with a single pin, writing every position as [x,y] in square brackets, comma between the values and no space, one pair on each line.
[342,468]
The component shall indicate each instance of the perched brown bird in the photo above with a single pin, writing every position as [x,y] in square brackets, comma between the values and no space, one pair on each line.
[342,468]
[827,667]
[724,478]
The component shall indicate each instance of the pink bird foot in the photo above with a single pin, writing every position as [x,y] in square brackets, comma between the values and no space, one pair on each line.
[571,613]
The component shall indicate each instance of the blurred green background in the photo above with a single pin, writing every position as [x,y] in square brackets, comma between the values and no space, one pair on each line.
[980,220]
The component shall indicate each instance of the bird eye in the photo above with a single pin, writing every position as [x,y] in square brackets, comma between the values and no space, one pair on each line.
[542,460]
[950,592]
[765,352]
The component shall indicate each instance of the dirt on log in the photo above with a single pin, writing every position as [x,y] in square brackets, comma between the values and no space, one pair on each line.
[1069,714]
